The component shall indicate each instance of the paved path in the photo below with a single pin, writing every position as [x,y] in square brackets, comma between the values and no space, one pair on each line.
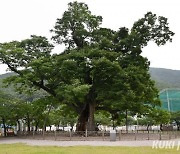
[80,143]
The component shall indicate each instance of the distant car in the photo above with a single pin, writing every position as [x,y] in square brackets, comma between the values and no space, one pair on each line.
[10,132]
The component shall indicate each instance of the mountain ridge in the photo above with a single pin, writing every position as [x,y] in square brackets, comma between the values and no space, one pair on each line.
[165,78]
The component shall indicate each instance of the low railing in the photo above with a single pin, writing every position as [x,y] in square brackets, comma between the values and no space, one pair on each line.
[99,135]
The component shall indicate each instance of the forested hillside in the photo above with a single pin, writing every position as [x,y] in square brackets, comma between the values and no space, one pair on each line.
[8,89]
[166,78]
[11,90]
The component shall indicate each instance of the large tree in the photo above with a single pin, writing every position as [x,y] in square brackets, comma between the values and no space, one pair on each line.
[100,69]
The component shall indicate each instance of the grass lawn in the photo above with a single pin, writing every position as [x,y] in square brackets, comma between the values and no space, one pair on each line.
[25,149]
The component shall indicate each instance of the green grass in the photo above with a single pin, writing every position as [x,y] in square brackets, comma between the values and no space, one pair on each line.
[25,149]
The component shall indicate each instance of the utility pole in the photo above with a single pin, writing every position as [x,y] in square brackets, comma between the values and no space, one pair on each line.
[168,100]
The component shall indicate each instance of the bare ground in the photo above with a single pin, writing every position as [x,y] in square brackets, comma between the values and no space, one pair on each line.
[33,142]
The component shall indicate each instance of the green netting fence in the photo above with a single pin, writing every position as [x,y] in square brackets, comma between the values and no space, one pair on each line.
[170,99]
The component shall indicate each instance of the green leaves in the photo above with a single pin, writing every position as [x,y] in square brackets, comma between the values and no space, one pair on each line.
[68,69]
[74,93]
[175,118]
[100,68]
[160,116]
[8,105]
[153,28]
[76,27]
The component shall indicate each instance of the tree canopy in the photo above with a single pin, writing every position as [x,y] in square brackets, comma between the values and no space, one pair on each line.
[100,69]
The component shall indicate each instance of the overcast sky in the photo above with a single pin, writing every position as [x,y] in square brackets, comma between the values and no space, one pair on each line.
[22,18]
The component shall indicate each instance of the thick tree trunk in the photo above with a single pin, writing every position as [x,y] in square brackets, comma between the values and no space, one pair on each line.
[82,120]
[91,123]
[86,118]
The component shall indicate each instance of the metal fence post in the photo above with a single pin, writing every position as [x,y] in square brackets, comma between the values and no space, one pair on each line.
[55,135]
[160,135]
[169,135]
[148,134]
[33,134]
[135,134]
[86,134]
[119,135]
[43,134]
[25,133]
[103,135]
[175,134]
[70,134]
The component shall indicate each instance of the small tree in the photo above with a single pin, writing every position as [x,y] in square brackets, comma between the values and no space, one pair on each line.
[175,117]
[155,117]
[6,107]
[63,116]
